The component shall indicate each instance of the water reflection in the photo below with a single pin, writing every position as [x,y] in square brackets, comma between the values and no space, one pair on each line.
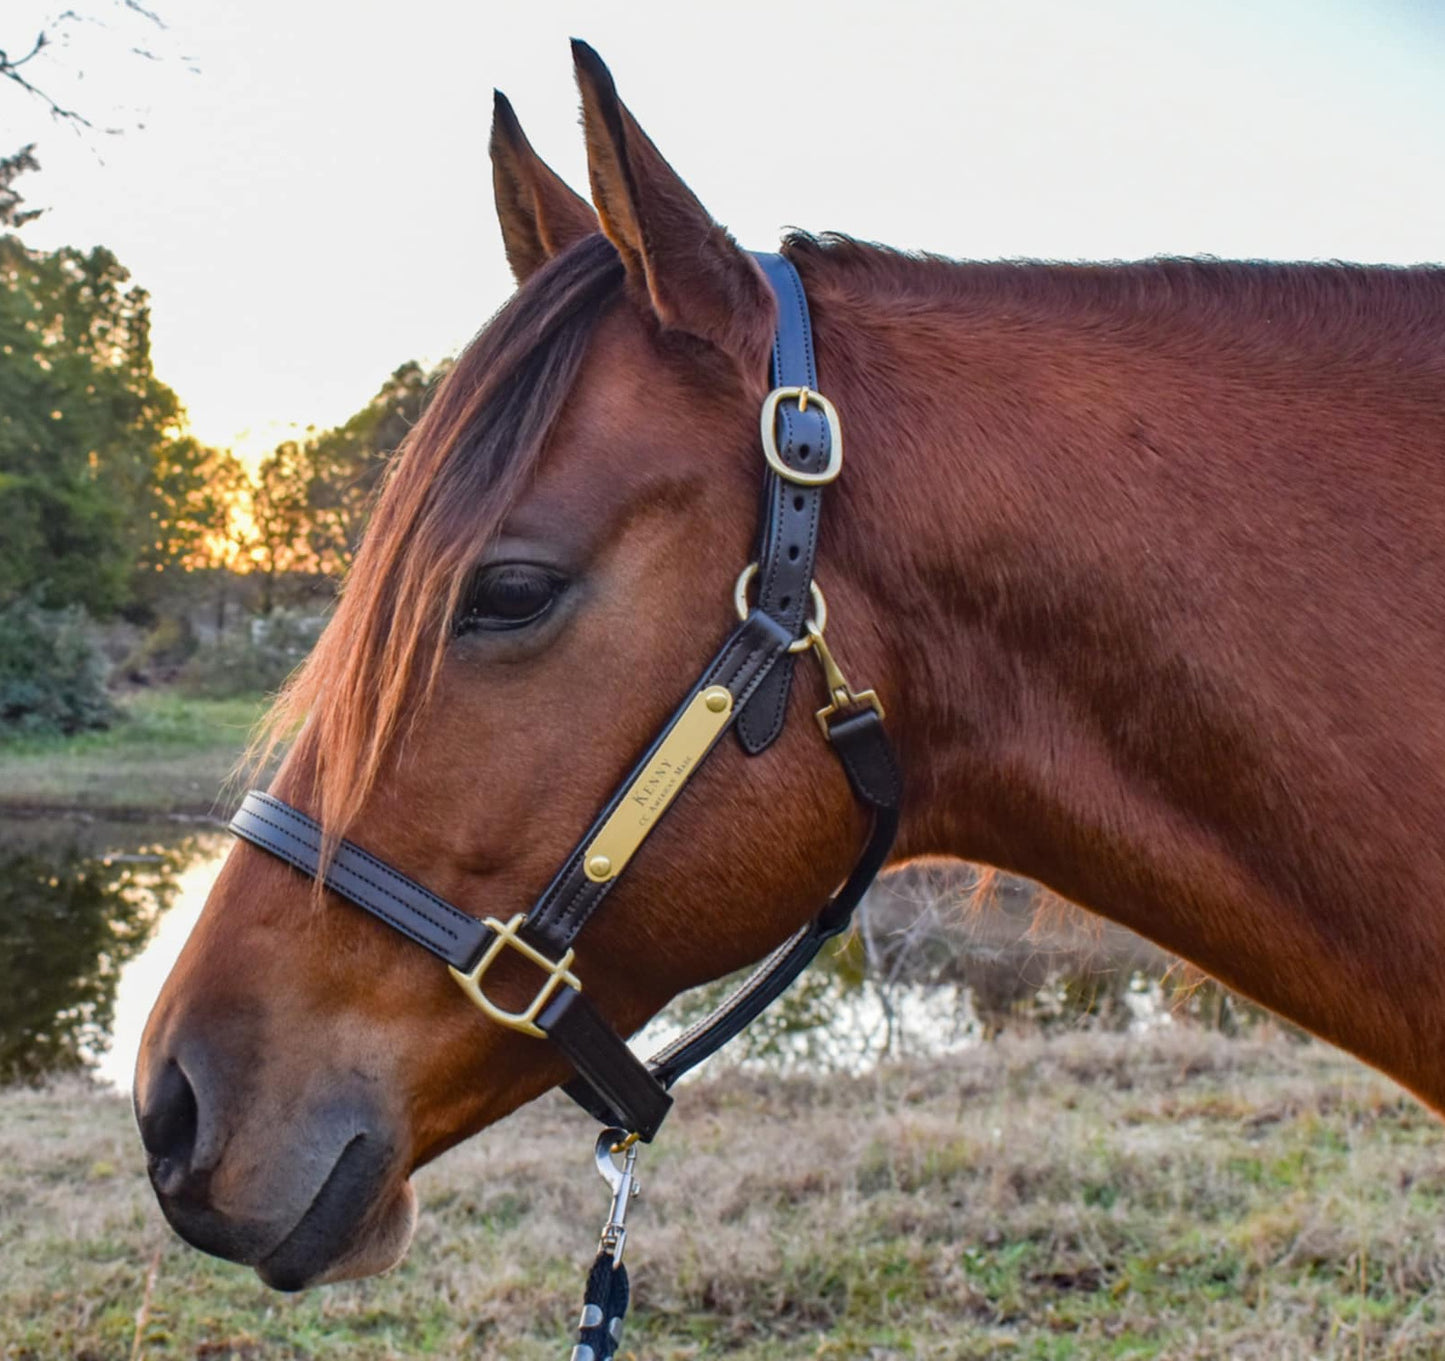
[141,979]
[934,967]
[79,903]
[93,915]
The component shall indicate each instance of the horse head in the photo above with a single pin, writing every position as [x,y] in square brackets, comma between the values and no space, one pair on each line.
[551,560]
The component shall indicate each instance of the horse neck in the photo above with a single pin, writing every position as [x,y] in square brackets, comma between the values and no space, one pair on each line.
[1153,562]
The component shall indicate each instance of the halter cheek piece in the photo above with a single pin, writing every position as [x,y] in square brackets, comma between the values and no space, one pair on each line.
[746,685]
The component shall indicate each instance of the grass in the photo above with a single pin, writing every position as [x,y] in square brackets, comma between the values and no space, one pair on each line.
[1174,1195]
[168,754]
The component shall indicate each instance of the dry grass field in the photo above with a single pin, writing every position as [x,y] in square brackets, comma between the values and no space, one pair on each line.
[1172,1195]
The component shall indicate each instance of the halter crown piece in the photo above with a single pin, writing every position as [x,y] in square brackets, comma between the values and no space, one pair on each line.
[745,686]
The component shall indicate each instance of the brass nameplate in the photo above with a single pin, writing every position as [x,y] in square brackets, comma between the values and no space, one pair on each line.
[670,768]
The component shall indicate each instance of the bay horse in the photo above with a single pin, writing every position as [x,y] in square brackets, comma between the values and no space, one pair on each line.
[1147,561]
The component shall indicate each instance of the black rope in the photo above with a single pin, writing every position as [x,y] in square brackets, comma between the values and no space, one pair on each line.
[604,1307]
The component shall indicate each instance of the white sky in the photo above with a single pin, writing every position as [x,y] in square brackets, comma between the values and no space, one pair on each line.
[309,199]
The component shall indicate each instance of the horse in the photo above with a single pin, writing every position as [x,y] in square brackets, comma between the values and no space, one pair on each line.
[1147,561]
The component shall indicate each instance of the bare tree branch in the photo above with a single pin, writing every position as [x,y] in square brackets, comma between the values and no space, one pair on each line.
[137,8]
[10,69]
[41,41]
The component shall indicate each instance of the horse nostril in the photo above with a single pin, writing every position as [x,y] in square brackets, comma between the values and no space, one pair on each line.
[168,1122]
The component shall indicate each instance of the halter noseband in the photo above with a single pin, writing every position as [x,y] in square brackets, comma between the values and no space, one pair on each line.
[746,686]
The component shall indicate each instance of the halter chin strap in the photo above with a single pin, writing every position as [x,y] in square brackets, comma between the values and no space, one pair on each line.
[746,685]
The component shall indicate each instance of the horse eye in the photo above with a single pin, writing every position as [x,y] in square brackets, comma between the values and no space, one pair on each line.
[507,595]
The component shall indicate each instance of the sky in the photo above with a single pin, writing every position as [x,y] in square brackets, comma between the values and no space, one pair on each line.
[303,186]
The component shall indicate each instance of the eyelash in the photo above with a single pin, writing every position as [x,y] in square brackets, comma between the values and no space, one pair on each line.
[523,576]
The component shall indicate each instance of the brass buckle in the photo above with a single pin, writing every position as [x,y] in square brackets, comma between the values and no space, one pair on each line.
[820,606]
[841,694]
[558,973]
[770,436]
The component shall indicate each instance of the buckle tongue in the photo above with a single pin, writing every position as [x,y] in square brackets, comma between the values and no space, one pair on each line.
[774,456]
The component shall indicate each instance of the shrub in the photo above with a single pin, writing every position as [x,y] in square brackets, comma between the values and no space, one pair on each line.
[160,654]
[52,671]
[257,660]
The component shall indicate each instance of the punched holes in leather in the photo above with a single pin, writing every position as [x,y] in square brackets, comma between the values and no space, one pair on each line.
[787,544]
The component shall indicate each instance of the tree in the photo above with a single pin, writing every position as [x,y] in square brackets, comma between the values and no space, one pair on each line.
[94,471]
[309,499]
[211,525]
[278,519]
[11,168]
[341,469]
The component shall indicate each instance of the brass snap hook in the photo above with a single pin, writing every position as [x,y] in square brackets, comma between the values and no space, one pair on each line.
[841,695]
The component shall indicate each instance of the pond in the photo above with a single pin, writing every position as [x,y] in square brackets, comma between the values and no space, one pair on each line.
[94,913]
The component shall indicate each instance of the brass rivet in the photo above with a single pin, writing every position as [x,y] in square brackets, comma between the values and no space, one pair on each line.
[599,867]
[717,699]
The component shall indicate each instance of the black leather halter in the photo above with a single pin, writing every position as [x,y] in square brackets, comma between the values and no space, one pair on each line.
[746,684]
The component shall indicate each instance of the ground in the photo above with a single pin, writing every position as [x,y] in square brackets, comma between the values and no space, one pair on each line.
[1175,1194]
[1172,1194]
[168,754]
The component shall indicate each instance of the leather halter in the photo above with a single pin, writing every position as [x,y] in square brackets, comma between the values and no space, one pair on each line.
[746,685]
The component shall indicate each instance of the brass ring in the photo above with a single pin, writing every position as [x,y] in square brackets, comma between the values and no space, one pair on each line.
[819,621]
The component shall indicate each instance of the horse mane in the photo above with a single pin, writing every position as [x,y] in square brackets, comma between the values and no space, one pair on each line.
[1249,307]
[449,487]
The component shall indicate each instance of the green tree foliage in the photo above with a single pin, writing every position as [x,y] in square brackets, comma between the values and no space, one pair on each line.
[12,215]
[342,468]
[278,519]
[337,473]
[97,485]
[309,499]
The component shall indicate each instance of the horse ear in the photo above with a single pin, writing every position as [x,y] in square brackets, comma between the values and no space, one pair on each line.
[687,268]
[540,215]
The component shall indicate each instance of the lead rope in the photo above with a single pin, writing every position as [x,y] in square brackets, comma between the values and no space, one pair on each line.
[604,1303]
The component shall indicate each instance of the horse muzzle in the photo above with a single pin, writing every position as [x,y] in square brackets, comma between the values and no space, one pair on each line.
[318,1195]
